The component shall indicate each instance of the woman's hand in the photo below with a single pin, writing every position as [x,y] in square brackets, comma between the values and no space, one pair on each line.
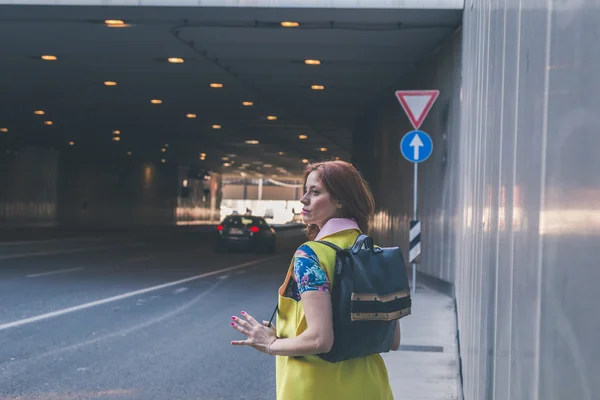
[260,336]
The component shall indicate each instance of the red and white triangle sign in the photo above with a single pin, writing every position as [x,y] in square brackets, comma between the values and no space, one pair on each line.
[417,103]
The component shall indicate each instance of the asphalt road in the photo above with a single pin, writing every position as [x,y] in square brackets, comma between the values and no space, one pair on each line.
[129,319]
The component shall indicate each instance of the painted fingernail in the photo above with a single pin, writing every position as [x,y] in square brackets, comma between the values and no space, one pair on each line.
[232,324]
[233,318]
[243,312]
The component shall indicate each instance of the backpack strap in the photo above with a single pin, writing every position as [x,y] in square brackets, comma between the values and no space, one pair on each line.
[329,244]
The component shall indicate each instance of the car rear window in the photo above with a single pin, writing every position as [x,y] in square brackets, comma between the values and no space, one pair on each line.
[243,221]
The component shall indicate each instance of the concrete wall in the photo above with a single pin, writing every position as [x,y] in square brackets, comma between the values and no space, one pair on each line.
[408,4]
[28,192]
[510,197]
[76,188]
[391,176]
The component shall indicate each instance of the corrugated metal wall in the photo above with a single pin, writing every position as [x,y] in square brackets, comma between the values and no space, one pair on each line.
[510,199]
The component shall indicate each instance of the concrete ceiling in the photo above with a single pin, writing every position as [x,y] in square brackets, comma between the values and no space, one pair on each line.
[363,54]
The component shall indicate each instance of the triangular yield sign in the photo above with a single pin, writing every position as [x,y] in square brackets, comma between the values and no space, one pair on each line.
[417,103]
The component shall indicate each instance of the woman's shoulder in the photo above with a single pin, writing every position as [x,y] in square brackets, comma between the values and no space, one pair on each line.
[306,251]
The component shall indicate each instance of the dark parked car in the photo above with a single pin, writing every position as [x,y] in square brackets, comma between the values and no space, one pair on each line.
[246,232]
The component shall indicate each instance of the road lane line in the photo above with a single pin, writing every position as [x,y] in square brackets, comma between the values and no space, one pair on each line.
[129,294]
[60,271]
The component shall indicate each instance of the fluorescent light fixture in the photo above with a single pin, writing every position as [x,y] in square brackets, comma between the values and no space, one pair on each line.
[305,161]
[176,60]
[290,24]
[116,23]
[281,153]
[49,57]
[116,132]
[272,118]
[323,149]
[116,138]
[48,123]
[39,112]
[312,62]
[302,137]
[110,83]
[247,104]
[317,87]
[216,126]
[216,85]
[190,116]
[71,143]
[252,141]
[163,160]
[226,164]
[156,101]
[4,130]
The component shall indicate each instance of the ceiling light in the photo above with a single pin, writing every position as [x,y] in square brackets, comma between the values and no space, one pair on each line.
[110,83]
[39,112]
[190,116]
[163,150]
[116,138]
[305,161]
[323,149]
[312,62]
[4,130]
[48,122]
[176,60]
[302,137]
[317,87]
[202,154]
[163,161]
[337,158]
[226,164]
[272,118]
[290,24]
[156,101]
[247,104]
[268,165]
[49,57]
[71,143]
[116,23]
[281,153]
[129,153]
[252,142]
[216,126]
[116,132]
[216,85]
[224,158]
[202,158]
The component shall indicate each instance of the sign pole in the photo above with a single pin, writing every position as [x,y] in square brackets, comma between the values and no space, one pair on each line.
[415,215]
[416,146]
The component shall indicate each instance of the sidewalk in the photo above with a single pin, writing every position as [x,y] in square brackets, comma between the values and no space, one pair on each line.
[427,365]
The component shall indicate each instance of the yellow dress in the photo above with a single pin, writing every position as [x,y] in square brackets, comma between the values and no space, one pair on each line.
[312,378]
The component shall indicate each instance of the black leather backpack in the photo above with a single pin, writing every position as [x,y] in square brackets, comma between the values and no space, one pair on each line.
[370,293]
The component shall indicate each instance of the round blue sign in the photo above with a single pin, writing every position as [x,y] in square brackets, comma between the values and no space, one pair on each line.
[416,146]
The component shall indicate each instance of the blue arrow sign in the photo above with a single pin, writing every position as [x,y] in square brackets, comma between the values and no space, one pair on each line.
[416,146]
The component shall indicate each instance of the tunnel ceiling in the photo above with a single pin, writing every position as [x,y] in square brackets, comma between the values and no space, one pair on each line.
[363,54]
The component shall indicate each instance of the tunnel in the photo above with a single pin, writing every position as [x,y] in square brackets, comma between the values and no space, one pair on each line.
[157,119]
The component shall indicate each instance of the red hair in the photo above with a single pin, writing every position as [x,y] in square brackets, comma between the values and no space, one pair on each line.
[346,185]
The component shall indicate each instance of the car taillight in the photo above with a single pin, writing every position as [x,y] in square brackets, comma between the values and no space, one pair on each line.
[220,228]
[254,229]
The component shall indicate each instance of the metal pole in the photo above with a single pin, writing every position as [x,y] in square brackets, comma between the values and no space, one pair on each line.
[415,210]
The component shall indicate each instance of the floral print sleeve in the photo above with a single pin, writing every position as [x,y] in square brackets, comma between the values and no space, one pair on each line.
[308,273]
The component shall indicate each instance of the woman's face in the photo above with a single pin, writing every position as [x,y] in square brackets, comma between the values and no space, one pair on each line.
[319,206]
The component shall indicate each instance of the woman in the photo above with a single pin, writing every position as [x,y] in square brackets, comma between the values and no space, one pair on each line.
[337,208]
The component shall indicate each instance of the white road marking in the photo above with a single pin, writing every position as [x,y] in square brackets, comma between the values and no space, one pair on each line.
[57,313]
[60,271]
[52,252]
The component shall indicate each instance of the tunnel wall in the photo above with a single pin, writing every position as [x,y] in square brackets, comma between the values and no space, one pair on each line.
[377,154]
[94,192]
[510,200]
[76,187]
[28,191]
